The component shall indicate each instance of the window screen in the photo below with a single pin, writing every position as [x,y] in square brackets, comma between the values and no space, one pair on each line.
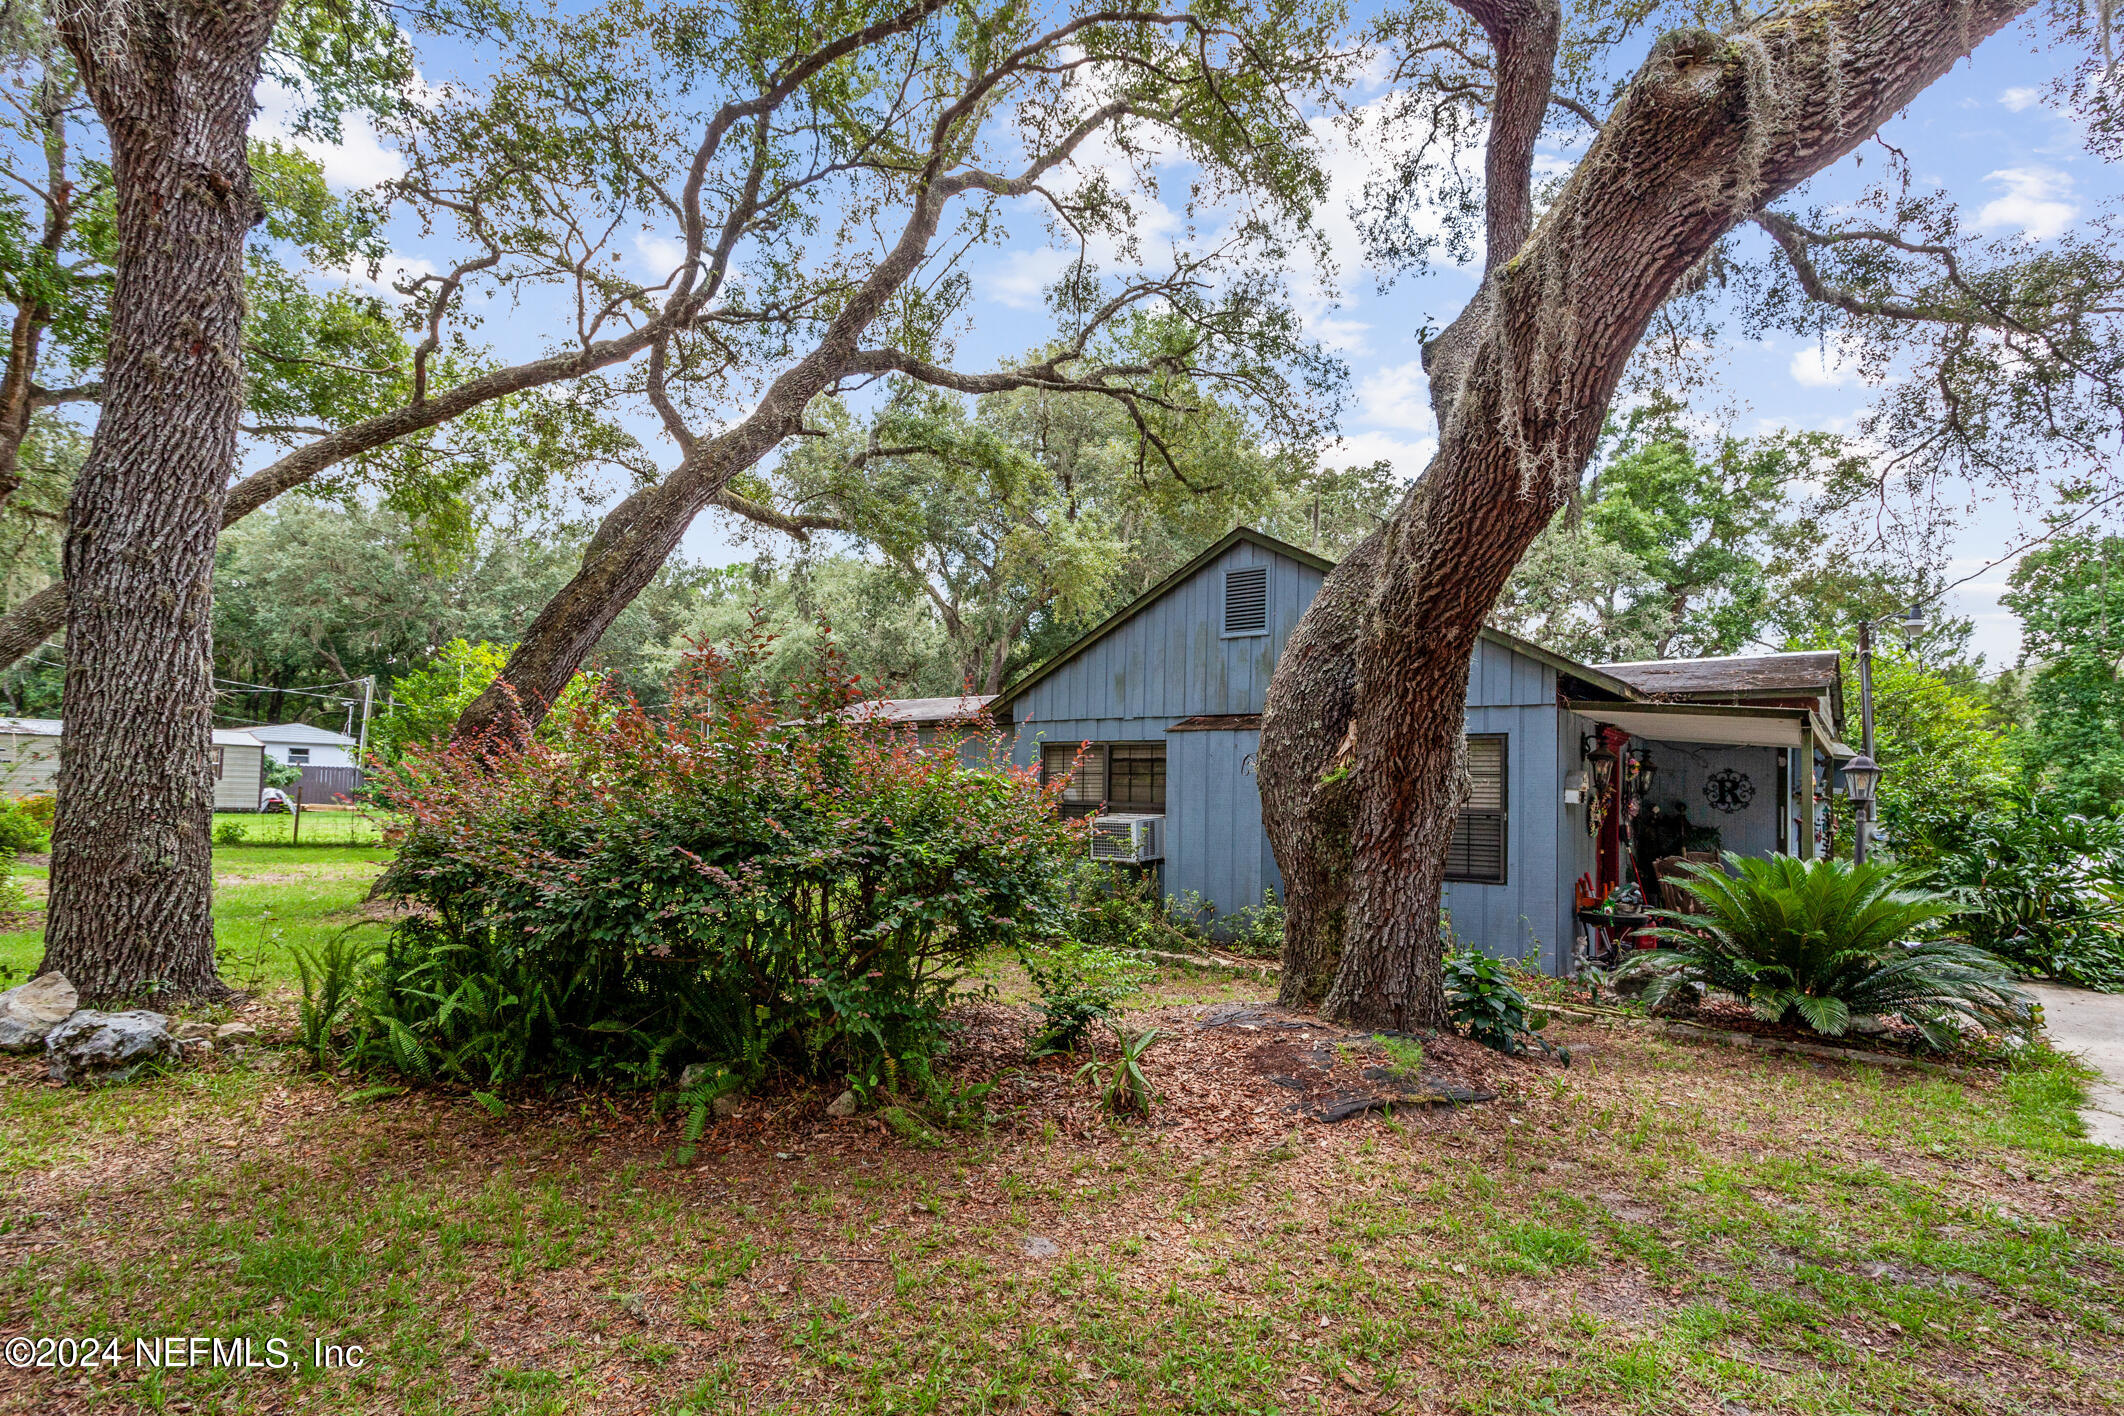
[1135,776]
[1246,600]
[1478,850]
[1087,784]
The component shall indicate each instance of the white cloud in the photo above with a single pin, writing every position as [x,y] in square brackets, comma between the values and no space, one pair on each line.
[2035,202]
[1835,364]
[1397,397]
[2019,100]
[661,255]
[359,159]
[1407,456]
[1019,280]
[395,266]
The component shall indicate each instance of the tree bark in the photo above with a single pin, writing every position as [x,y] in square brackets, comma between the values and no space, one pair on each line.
[131,887]
[1711,128]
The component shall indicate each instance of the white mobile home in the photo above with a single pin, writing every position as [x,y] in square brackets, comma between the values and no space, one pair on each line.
[29,762]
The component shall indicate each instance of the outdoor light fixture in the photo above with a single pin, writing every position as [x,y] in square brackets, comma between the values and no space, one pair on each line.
[1638,774]
[1861,774]
[1603,764]
[1913,622]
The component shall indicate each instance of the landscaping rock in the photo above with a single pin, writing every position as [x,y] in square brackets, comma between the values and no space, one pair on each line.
[695,1074]
[1865,1025]
[1683,1002]
[108,1047]
[724,1106]
[193,1031]
[29,1013]
[1038,1246]
[235,1032]
[843,1105]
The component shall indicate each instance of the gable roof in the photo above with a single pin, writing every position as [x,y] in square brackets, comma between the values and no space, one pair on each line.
[1592,677]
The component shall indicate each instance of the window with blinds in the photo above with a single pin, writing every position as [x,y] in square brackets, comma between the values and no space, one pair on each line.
[1135,776]
[1246,600]
[1087,779]
[1478,850]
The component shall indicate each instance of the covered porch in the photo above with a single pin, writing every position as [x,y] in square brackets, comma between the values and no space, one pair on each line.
[1666,783]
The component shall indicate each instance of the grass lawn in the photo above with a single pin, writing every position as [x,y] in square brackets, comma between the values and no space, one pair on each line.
[1664,1227]
[266,896]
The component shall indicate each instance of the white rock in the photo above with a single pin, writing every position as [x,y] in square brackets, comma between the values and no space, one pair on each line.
[193,1031]
[235,1032]
[107,1046]
[29,1013]
[843,1105]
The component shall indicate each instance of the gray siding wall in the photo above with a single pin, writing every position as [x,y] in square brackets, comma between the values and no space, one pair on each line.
[1171,661]
[1529,916]
[242,769]
[1215,843]
[31,766]
[1683,767]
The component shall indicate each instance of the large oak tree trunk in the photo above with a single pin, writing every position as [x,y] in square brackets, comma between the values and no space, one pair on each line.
[131,878]
[1361,741]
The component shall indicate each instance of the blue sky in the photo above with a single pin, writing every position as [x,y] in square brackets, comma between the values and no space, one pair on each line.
[1984,133]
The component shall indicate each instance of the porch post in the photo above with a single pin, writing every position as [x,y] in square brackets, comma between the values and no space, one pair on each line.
[1806,767]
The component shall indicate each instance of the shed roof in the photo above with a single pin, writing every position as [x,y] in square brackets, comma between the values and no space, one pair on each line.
[919,710]
[1751,675]
[301,732]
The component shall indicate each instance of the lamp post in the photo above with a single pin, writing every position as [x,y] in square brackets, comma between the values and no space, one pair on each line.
[1862,773]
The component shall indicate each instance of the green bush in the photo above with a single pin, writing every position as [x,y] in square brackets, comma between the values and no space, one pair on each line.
[1483,999]
[2041,886]
[39,807]
[625,895]
[230,832]
[1080,984]
[21,832]
[1823,942]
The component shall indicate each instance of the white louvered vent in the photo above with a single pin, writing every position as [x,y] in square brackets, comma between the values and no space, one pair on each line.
[1246,600]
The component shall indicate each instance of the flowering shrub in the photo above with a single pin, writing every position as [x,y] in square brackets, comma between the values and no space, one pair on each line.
[719,886]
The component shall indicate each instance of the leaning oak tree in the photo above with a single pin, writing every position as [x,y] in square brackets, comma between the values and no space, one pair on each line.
[145,282]
[1361,739]
[819,176]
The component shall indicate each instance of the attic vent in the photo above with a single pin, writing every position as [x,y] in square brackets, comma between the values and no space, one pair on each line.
[1246,600]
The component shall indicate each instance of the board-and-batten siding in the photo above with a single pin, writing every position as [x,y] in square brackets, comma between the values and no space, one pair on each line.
[1528,917]
[1170,661]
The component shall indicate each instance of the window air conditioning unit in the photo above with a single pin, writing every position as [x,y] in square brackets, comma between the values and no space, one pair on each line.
[1128,839]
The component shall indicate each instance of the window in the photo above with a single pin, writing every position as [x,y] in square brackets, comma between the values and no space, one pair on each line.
[1478,850]
[298,757]
[1122,776]
[1246,600]
[220,761]
[1087,785]
[1135,776]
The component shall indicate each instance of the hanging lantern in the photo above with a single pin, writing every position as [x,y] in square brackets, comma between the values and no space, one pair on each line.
[1639,774]
[1602,763]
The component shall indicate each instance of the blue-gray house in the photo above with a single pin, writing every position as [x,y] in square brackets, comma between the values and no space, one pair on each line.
[1582,776]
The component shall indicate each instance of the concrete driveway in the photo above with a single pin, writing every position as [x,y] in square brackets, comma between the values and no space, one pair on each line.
[2091,1024]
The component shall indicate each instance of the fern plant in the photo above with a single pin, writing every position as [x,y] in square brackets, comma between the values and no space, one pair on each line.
[330,974]
[1823,942]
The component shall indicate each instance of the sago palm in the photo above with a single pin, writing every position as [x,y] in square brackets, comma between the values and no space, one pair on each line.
[1826,941]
